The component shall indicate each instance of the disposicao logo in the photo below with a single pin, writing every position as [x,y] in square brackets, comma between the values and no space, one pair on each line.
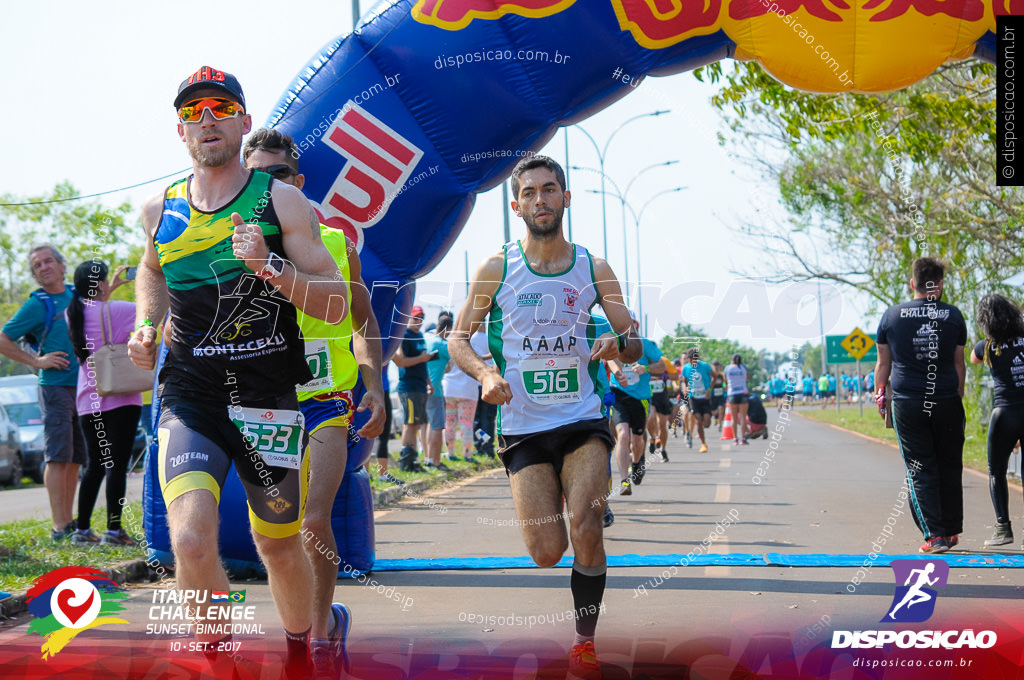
[67,601]
[913,602]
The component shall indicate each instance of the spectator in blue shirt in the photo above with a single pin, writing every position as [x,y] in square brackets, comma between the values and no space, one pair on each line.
[41,321]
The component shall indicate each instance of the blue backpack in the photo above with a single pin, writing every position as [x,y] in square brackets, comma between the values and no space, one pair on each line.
[36,344]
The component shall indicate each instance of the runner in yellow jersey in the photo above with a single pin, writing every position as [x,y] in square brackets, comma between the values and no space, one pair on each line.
[334,354]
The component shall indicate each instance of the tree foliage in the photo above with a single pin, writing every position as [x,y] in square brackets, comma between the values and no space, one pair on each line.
[868,183]
[759,363]
[80,229]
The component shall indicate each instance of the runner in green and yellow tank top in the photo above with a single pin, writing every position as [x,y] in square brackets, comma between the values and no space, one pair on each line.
[232,254]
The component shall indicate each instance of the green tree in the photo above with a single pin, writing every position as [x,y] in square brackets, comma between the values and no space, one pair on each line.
[81,229]
[870,182]
[722,349]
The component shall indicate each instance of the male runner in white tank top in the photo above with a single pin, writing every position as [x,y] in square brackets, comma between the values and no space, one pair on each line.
[535,297]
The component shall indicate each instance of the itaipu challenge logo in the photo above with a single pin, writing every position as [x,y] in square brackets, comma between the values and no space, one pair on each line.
[69,600]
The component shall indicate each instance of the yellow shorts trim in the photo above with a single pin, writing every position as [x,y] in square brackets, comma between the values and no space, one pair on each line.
[192,480]
[284,530]
[336,421]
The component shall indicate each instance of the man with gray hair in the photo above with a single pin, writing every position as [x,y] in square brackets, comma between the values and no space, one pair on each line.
[40,322]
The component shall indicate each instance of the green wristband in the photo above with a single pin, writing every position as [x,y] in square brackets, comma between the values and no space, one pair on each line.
[144,322]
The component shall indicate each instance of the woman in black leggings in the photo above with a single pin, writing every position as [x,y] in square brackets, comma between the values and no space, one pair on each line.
[1002,351]
[108,423]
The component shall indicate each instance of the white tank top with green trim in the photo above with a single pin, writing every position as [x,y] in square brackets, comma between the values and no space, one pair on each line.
[541,334]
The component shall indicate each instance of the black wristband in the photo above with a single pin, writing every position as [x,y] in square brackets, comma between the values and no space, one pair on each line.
[621,340]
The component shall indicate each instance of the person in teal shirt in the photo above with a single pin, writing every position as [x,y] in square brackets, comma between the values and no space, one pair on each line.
[696,374]
[632,391]
[437,345]
[42,320]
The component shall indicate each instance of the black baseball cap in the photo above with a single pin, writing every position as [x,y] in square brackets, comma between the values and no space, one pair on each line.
[208,77]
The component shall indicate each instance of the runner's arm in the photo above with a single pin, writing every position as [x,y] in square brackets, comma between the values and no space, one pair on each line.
[310,280]
[366,348]
[479,301]
[151,298]
[610,298]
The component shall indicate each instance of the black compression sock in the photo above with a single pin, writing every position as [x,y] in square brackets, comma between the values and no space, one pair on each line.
[587,593]
[298,663]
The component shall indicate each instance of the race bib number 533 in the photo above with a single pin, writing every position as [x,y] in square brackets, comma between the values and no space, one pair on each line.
[552,380]
[276,434]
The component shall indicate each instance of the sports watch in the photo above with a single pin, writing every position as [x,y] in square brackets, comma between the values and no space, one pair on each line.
[273,268]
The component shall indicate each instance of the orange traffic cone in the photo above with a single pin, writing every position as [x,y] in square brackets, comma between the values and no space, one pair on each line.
[727,432]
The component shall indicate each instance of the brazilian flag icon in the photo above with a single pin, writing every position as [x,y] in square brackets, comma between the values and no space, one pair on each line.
[237,596]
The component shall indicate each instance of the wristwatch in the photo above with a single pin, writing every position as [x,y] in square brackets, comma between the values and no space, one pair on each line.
[273,268]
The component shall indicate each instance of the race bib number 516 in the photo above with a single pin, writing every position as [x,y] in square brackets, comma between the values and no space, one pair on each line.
[552,380]
[276,434]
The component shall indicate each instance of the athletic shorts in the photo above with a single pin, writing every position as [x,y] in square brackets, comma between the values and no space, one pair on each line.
[700,407]
[630,411]
[518,451]
[414,407]
[737,398]
[198,443]
[435,411]
[333,409]
[62,437]
[717,402]
[661,403]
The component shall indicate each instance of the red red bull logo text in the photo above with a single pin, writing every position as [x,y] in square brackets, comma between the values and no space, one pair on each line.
[454,15]
[380,161]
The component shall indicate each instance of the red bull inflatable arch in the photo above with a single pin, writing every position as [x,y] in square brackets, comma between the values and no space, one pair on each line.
[395,121]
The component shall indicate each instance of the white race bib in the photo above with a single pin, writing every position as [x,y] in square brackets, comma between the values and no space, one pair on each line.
[276,434]
[551,380]
[318,357]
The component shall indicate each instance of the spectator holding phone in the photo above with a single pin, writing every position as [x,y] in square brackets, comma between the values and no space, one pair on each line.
[108,423]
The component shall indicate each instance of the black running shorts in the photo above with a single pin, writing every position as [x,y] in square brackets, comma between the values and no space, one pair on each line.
[630,411]
[198,443]
[551,446]
[661,403]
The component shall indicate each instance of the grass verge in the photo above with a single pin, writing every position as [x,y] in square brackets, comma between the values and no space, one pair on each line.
[872,425]
[27,552]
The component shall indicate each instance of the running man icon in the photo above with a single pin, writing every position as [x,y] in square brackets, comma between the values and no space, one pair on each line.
[915,578]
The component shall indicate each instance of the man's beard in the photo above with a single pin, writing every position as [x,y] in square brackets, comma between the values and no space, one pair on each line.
[544,231]
[213,158]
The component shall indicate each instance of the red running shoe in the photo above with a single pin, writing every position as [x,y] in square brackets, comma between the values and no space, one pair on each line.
[935,545]
[583,662]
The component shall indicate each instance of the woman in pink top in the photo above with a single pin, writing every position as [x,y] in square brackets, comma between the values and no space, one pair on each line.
[108,423]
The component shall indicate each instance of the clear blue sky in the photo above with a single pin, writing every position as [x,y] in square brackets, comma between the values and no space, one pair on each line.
[88,91]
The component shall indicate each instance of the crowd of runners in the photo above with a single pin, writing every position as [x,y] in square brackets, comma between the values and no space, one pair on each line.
[578,392]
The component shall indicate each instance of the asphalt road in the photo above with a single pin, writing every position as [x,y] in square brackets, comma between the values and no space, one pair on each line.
[823,492]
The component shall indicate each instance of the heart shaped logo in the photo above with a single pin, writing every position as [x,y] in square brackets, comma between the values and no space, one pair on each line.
[74,612]
[75,603]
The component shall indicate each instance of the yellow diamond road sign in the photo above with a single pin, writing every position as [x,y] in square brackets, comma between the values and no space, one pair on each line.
[857,344]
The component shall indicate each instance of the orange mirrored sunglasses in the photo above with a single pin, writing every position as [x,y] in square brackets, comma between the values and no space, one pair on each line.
[220,109]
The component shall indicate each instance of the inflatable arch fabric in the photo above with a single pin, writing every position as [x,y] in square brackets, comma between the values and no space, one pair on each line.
[429,102]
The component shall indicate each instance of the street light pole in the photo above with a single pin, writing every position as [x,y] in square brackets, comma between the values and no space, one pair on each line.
[622,196]
[637,218]
[601,153]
